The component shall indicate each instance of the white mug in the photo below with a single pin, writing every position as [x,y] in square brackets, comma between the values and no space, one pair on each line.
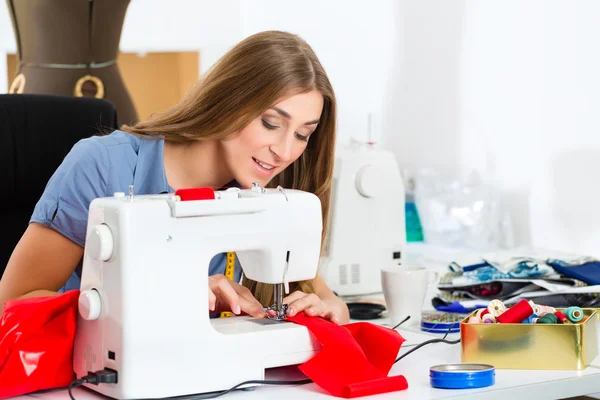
[404,289]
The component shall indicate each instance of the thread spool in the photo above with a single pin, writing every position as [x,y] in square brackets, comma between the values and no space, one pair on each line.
[533,305]
[543,310]
[488,319]
[516,313]
[496,307]
[575,314]
[562,318]
[481,312]
[529,320]
[474,320]
[548,319]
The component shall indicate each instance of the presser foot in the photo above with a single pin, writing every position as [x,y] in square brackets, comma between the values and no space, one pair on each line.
[278,314]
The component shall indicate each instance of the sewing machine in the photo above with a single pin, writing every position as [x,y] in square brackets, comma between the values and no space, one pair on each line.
[143,308]
[367,228]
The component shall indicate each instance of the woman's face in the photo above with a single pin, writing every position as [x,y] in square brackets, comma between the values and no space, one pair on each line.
[274,140]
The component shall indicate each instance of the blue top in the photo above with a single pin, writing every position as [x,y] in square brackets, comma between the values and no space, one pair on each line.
[97,167]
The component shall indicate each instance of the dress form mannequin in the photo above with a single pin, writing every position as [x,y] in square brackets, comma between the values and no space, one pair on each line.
[69,47]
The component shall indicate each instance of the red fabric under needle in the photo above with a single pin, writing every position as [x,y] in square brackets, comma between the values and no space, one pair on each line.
[355,359]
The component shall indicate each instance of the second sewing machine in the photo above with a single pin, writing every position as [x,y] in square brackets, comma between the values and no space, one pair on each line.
[143,308]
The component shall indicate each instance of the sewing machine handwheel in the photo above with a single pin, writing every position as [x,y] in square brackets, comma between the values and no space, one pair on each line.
[100,242]
[369,181]
[90,304]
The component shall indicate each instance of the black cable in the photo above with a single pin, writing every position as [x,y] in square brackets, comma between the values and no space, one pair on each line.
[401,322]
[74,384]
[106,375]
[222,392]
[437,340]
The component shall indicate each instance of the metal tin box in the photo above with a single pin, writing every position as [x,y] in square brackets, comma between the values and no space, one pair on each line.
[531,346]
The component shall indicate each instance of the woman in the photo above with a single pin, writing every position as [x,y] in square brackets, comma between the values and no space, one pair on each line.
[264,113]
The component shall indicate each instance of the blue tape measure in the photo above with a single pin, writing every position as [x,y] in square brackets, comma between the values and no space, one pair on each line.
[462,376]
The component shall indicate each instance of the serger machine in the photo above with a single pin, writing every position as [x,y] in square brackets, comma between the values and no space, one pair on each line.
[367,228]
[143,308]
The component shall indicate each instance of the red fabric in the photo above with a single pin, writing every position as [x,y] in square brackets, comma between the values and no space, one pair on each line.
[355,359]
[203,193]
[36,343]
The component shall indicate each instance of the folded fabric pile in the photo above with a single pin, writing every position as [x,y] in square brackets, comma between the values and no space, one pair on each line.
[550,278]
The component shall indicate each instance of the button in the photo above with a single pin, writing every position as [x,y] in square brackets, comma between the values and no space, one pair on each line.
[99,244]
[90,304]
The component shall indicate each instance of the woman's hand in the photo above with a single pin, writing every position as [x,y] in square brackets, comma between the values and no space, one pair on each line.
[227,295]
[314,306]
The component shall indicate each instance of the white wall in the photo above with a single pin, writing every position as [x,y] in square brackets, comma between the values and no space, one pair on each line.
[511,90]
[421,123]
[354,40]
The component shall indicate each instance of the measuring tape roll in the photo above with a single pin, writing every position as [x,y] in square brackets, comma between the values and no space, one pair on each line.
[229,273]
[462,376]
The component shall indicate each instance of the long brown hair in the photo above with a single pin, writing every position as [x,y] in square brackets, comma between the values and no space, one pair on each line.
[247,80]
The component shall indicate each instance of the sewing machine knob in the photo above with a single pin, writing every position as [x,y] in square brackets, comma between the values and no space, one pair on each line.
[369,181]
[90,304]
[100,242]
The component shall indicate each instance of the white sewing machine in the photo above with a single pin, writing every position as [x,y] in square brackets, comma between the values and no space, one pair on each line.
[367,219]
[143,308]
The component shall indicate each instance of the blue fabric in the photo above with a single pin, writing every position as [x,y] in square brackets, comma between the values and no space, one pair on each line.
[98,167]
[482,273]
[456,307]
[588,272]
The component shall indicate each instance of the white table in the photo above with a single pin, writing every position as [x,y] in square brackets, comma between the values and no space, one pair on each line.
[509,384]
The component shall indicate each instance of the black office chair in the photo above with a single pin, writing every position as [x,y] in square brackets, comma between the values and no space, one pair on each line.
[36,133]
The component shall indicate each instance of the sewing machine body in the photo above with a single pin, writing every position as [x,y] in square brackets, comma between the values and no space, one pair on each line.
[144,301]
[367,219]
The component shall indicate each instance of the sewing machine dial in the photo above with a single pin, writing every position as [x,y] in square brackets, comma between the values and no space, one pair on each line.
[100,242]
[369,180]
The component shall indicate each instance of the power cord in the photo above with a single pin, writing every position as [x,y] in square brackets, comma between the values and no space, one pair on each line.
[106,375]
[237,387]
[436,340]
[401,322]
